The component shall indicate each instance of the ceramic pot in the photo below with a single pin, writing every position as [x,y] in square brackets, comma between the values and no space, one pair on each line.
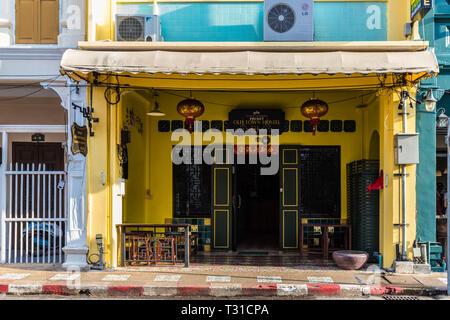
[350,259]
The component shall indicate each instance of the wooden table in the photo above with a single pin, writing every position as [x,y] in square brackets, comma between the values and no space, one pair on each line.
[324,228]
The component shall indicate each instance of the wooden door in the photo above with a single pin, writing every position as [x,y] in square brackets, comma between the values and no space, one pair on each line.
[289,197]
[222,203]
[38,153]
[49,153]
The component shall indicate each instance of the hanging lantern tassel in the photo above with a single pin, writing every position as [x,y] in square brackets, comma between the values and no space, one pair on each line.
[314,109]
[190,123]
[314,123]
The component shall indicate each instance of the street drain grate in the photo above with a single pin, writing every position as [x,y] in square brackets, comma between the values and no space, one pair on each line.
[402,298]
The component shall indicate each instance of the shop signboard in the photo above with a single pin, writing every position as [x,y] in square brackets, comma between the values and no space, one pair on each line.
[256,149]
[256,119]
[419,8]
[79,139]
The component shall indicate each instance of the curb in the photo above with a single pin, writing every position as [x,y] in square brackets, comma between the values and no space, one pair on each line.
[219,290]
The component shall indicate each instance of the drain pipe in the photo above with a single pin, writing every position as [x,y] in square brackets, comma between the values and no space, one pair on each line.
[404,96]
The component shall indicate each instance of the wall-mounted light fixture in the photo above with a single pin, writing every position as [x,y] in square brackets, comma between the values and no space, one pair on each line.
[430,101]
[156,112]
[441,119]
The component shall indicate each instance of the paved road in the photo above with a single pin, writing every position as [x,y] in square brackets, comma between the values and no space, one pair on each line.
[57,297]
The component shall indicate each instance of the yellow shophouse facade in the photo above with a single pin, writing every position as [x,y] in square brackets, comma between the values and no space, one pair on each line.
[366,84]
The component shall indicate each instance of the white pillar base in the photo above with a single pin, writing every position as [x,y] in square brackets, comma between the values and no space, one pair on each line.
[76,257]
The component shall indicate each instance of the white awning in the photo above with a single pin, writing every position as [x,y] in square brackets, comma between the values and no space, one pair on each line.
[249,62]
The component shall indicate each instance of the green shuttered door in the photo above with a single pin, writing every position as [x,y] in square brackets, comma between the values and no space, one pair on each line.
[289,197]
[222,206]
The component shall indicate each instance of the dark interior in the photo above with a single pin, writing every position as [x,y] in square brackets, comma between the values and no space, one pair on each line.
[258,216]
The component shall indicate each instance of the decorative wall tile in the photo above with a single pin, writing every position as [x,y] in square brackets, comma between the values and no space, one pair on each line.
[336,125]
[217,124]
[324,126]
[349,126]
[296,125]
[163,125]
[177,124]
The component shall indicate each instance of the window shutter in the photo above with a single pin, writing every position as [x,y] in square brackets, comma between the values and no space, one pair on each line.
[26,21]
[48,21]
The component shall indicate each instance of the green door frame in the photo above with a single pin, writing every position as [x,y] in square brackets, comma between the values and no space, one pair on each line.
[289,197]
[222,204]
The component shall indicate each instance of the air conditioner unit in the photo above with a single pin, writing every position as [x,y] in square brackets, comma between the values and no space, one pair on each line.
[138,27]
[288,20]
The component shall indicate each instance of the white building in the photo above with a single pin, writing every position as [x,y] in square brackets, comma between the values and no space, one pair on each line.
[34,125]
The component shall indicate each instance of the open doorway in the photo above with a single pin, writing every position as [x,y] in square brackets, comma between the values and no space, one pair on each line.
[257,210]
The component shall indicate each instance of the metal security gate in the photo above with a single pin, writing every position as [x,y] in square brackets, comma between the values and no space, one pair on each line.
[35,220]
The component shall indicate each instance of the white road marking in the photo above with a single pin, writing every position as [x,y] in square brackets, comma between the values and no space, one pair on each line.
[218,279]
[269,279]
[14,276]
[167,278]
[65,276]
[116,277]
[320,279]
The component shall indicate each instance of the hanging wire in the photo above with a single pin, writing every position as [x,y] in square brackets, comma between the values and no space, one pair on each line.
[4,87]
[28,94]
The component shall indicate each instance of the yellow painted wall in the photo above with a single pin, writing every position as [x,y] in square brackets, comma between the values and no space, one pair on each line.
[102,174]
[150,166]
[160,161]
[135,204]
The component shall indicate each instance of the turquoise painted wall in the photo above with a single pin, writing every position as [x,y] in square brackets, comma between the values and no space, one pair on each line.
[435,28]
[426,174]
[240,21]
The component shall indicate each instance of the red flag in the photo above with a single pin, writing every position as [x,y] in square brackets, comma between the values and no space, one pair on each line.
[378,184]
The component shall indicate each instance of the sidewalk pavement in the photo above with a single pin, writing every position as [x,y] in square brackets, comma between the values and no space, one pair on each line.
[206,280]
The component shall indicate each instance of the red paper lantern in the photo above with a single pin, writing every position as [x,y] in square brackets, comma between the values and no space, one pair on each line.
[314,109]
[190,108]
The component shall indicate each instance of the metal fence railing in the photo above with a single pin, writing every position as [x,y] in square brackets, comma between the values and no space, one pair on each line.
[35,220]
[153,243]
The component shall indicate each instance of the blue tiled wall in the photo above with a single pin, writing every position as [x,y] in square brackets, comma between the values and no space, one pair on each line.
[333,21]
[212,21]
[348,21]
[134,8]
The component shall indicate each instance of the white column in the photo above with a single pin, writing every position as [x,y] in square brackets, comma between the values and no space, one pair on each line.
[118,192]
[3,186]
[75,249]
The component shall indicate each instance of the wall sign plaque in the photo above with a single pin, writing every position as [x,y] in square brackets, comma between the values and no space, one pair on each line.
[38,137]
[256,119]
[79,139]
